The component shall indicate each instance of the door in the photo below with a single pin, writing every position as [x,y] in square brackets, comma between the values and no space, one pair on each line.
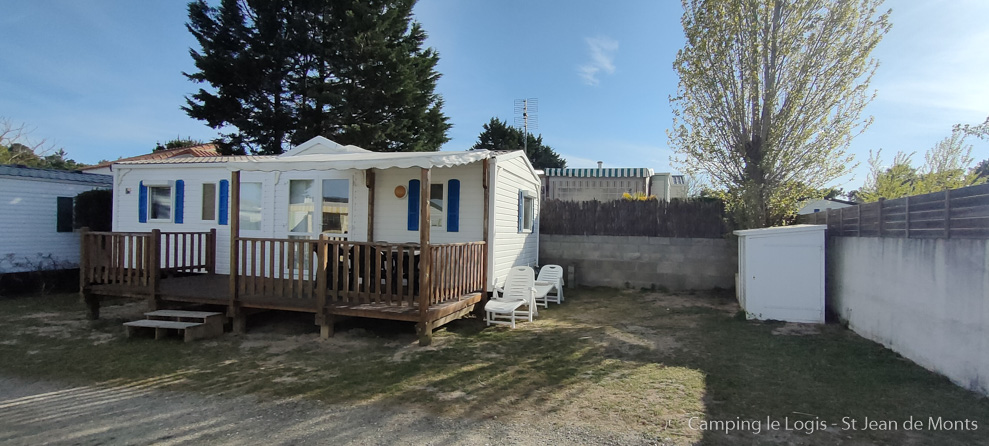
[307,221]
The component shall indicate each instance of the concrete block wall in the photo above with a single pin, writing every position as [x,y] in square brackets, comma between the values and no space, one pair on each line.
[674,263]
[926,299]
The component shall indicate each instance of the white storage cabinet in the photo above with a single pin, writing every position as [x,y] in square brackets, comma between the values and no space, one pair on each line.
[781,273]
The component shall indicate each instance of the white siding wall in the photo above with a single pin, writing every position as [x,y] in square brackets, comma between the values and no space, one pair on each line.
[28,218]
[509,247]
[274,220]
[391,213]
[126,193]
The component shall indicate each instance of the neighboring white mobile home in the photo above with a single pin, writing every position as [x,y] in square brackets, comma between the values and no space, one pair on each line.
[36,216]
[321,188]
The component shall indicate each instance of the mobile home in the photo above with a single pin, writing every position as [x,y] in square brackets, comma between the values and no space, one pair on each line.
[325,228]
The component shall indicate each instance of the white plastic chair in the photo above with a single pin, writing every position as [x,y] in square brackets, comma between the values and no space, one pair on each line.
[519,291]
[550,279]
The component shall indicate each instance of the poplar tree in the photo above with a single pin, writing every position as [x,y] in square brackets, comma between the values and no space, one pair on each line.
[770,96]
[280,73]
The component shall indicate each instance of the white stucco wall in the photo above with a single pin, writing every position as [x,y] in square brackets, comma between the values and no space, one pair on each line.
[927,299]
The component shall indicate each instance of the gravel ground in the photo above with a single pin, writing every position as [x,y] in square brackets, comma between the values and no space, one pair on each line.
[33,412]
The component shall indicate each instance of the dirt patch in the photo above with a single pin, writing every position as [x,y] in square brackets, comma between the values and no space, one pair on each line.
[276,345]
[128,310]
[680,300]
[795,329]
[626,339]
[43,316]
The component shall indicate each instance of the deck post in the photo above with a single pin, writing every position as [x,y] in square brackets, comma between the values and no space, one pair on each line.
[323,318]
[369,182]
[154,269]
[234,310]
[211,252]
[83,263]
[485,185]
[424,328]
[486,179]
[91,301]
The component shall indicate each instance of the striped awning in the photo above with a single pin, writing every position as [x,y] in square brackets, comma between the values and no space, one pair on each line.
[592,172]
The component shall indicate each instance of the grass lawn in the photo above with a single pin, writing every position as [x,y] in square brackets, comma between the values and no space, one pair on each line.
[659,364]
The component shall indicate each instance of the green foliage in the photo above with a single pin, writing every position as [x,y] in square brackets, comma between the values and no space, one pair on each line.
[283,72]
[15,149]
[947,165]
[982,169]
[638,196]
[771,95]
[94,210]
[498,135]
[177,143]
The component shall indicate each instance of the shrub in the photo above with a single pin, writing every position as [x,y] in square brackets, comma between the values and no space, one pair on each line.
[94,209]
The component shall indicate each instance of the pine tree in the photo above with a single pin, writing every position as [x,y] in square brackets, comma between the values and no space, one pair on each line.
[283,72]
[498,135]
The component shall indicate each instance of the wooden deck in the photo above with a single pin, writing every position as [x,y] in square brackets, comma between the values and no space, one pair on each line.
[213,289]
[329,278]
[424,282]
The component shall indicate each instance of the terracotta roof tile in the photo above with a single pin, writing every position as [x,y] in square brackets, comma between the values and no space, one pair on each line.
[202,150]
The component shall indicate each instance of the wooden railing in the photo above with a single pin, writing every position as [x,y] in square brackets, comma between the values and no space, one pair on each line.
[457,270]
[138,259]
[188,252]
[343,271]
[125,258]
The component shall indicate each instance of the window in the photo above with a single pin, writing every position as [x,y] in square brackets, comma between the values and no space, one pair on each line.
[528,208]
[300,206]
[336,206]
[436,213]
[250,206]
[209,202]
[63,222]
[160,202]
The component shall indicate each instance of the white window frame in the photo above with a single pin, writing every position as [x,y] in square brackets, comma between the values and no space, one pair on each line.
[318,218]
[241,206]
[528,203]
[171,202]
[216,201]
[438,221]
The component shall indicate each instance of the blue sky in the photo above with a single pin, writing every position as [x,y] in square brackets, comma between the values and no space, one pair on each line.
[102,78]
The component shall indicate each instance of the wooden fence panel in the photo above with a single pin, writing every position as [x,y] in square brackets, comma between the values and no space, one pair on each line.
[956,213]
[677,218]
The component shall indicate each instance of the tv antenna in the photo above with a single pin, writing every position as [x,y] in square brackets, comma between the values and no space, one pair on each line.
[526,118]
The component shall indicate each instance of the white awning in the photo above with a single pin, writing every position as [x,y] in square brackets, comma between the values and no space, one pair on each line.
[361,161]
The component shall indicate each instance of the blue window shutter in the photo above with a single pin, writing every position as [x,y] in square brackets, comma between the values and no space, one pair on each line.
[142,203]
[179,201]
[413,205]
[521,203]
[453,206]
[224,198]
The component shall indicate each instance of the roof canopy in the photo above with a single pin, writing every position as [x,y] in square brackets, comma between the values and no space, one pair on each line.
[56,175]
[322,154]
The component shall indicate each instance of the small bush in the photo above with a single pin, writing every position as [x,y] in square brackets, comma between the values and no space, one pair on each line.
[94,209]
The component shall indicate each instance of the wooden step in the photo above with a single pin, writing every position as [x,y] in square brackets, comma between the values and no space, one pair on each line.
[183,314]
[191,330]
[214,321]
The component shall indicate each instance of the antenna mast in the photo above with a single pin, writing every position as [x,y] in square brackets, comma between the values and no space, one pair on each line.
[525,117]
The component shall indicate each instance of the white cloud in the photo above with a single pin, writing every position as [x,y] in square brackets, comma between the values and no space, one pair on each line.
[602,53]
